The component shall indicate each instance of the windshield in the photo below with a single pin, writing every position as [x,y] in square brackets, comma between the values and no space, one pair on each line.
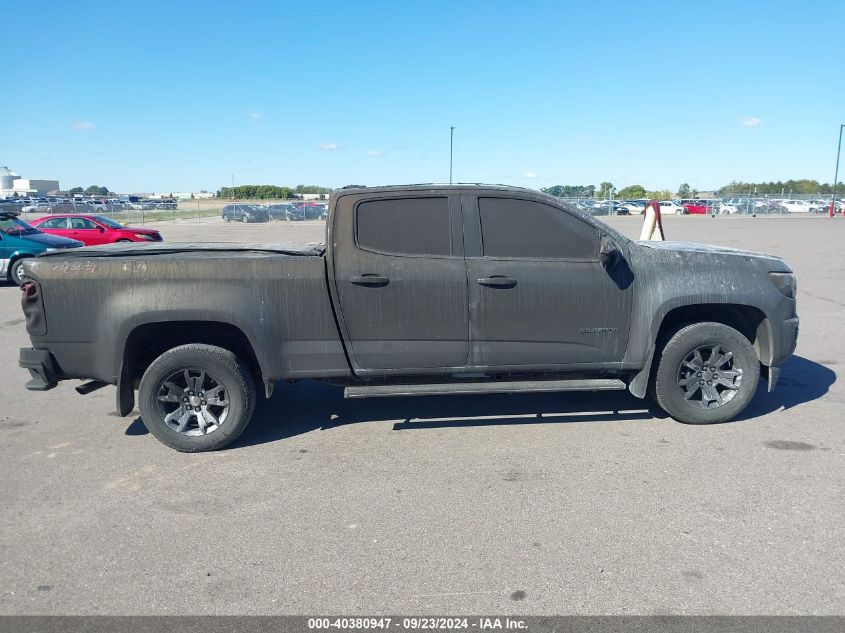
[14,226]
[108,222]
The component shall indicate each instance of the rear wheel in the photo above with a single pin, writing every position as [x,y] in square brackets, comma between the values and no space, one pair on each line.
[707,373]
[196,398]
[16,272]
[244,219]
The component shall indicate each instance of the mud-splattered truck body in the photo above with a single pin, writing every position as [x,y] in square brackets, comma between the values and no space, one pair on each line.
[418,290]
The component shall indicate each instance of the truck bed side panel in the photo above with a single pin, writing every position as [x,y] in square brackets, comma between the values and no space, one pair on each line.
[280,302]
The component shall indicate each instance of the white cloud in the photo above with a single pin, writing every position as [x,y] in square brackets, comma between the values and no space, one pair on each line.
[374,152]
[752,122]
[329,147]
[83,125]
[255,115]
[530,174]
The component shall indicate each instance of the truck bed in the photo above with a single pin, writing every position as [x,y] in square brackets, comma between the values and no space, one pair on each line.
[275,294]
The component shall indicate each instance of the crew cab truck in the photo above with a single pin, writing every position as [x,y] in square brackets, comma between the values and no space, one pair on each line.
[418,290]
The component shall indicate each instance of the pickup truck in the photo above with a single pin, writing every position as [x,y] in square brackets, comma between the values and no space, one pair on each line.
[418,290]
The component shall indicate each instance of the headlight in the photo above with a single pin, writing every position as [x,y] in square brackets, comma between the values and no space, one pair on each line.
[142,236]
[785,282]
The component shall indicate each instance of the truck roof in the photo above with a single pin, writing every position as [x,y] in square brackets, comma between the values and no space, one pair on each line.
[427,186]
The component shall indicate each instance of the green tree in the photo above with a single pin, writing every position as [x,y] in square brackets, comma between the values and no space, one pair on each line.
[684,191]
[570,191]
[634,191]
[604,189]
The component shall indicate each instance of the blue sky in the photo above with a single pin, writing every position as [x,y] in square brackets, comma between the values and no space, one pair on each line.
[175,96]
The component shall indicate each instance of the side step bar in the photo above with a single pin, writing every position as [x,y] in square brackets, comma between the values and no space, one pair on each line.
[460,388]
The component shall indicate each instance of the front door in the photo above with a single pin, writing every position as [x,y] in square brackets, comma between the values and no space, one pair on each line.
[539,297]
[400,282]
[87,231]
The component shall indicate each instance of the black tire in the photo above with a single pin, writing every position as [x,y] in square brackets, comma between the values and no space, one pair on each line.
[123,240]
[225,218]
[226,370]
[678,364]
[244,219]
[16,272]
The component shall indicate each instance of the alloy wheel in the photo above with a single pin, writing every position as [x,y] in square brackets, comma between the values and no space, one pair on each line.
[709,377]
[192,402]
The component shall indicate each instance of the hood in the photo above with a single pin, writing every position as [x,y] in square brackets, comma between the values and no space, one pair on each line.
[51,241]
[133,229]
[709,250]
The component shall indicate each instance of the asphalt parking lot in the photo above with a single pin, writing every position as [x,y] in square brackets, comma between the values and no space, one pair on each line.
[530,504]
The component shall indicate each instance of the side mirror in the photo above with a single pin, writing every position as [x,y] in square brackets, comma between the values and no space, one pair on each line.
[102,230]
[609,253]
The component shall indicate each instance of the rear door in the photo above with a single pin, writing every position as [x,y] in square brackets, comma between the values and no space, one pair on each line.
[55,226]
[539,297]
[400,281]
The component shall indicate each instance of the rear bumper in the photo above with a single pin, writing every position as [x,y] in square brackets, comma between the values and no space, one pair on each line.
[42,369]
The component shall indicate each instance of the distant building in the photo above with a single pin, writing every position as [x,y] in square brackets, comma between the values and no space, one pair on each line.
[11,184]
[192,195]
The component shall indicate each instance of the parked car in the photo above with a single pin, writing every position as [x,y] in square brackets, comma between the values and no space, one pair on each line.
[694,207]
[608,207]
[635,207]
[284,212]
[94,229]
[796,206]
[36,207]
[557,301]
[19,241]
[312,210]
[244,213]
[819,206]
[668,207]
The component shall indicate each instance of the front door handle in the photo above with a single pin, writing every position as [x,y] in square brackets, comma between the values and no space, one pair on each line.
[497,281]
[370,280]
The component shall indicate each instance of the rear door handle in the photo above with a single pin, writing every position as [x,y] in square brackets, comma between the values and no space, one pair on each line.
[497,282]
[369,280]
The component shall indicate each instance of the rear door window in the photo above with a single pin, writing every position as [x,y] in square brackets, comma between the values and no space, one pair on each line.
[54,223]
[405,226]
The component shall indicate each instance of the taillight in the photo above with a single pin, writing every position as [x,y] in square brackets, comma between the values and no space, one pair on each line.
[30,292]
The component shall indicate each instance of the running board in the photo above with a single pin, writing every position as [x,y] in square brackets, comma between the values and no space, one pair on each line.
[461,388]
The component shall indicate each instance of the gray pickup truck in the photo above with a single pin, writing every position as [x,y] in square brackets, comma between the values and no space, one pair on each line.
[418,290]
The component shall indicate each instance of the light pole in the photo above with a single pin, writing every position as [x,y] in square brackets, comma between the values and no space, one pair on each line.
[836,173]
[451,145]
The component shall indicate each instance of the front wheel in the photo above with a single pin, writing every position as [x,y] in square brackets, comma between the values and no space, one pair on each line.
[16,272]
[707,373]
[244,219]
[196,398]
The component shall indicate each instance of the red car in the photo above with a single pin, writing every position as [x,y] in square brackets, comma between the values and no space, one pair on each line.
[93,229]
[698,207]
